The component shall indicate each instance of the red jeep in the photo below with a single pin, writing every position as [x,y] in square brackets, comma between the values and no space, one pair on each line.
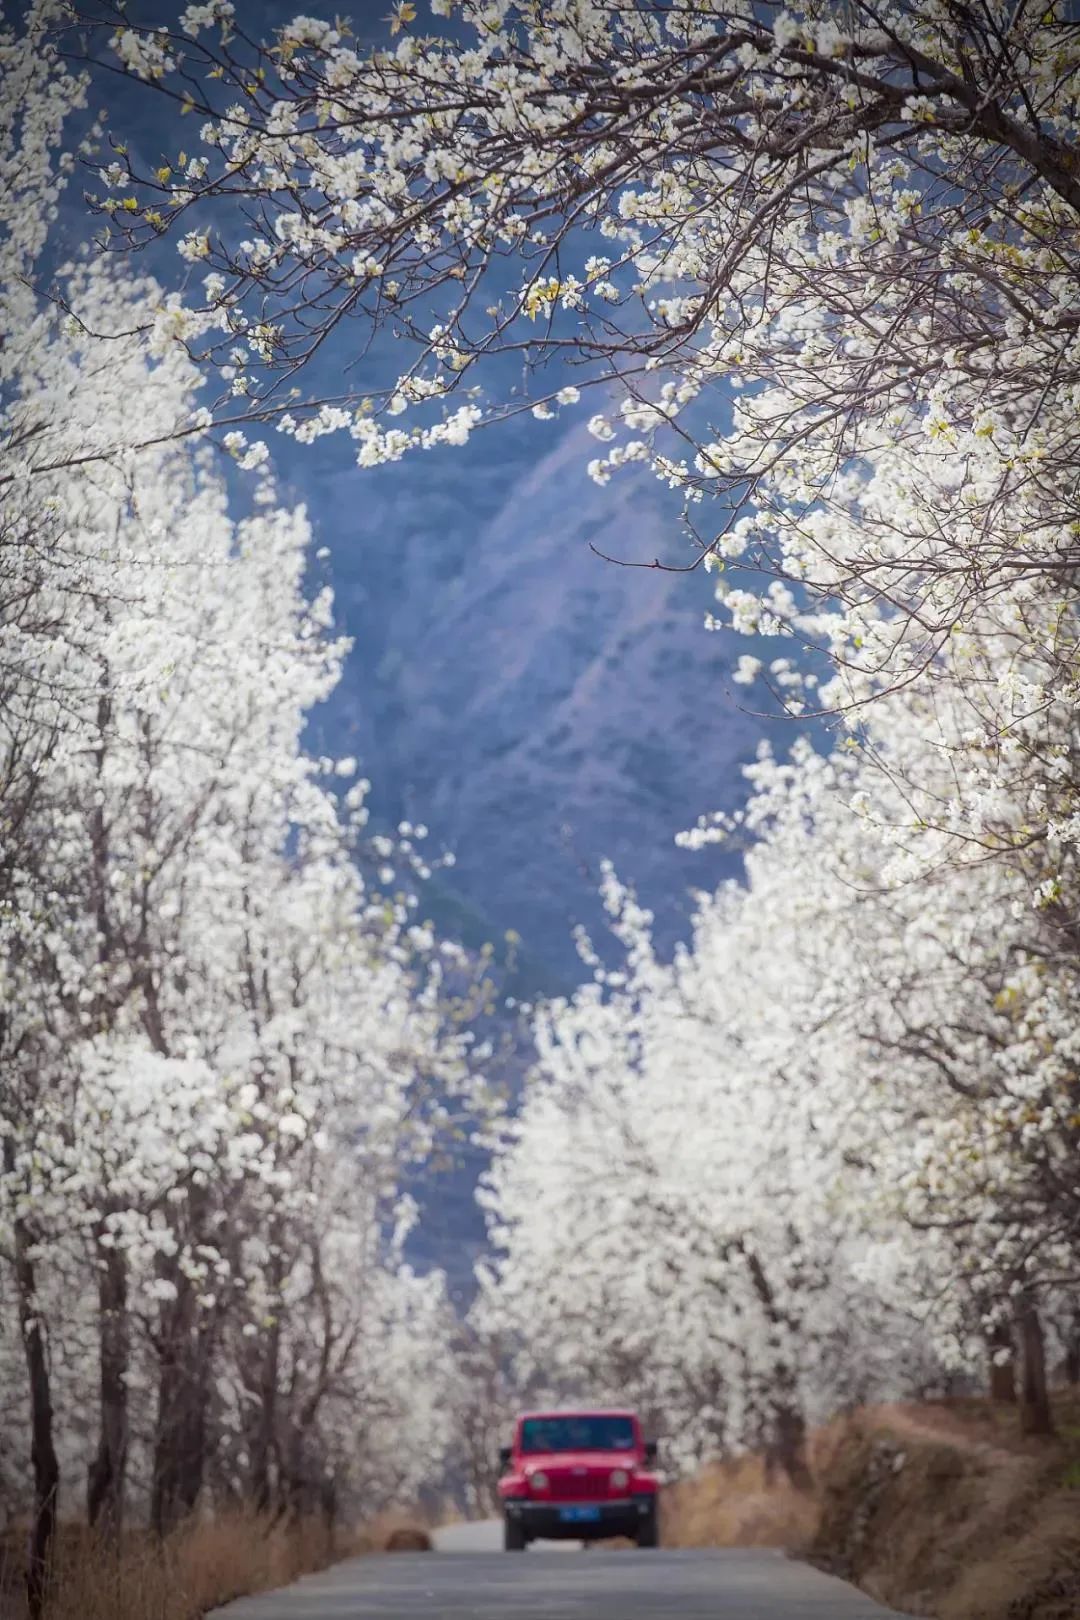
[578,1476]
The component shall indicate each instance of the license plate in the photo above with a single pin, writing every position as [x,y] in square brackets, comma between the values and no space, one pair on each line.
[579,1515]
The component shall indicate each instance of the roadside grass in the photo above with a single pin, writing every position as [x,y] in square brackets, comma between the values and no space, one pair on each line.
[202,1565]
[731,1503]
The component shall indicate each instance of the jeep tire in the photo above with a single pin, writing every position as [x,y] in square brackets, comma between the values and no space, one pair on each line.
[513,1535]
[648,1530]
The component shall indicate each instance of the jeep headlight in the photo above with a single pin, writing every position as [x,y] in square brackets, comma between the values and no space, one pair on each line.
[538,1481]
[620,1479]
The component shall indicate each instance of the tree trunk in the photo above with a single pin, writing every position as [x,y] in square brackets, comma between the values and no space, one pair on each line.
[185,1350]
[264,1440]
[291,1484]
[43,1459]
[786,1442]
[328,1502]
[163,1479]
[788,1446]
[1069,1331]
[1003,1381]
[179,1436]
[105,1483]
[1002,1371]
[180,1431]
[1036,1417]
[179,1450]
[1072,1360]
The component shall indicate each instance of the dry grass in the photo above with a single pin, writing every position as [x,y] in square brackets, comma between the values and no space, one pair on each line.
[203,1565]
[729,1504]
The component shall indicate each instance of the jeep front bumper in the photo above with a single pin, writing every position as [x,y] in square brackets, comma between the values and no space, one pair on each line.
[580,1521]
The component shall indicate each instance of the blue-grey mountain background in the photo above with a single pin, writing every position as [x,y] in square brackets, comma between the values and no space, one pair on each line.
[538,708]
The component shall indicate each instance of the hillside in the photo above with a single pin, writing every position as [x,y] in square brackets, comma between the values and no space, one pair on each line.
[537,708]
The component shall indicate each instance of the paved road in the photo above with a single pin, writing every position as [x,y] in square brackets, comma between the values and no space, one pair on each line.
[468,1580]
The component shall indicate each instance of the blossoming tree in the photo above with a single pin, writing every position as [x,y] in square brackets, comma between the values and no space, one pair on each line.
[779,241]
[819,275]
[827,1153]
[224,1036]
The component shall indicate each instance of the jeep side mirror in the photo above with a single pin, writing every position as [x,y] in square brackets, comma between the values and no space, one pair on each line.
[652,1451]
[505,1454]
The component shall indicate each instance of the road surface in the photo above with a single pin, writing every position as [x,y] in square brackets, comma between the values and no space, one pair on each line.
[470,1578]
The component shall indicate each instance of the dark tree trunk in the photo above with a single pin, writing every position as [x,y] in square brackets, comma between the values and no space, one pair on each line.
[179,1450]
[185,1356]
[788,1446]
[1072,1360]
[1069,1331]
[1036,1417]
[329,1504]
[105,1483]
[1002,1371]
[786,1442]
[182,1424]
[298,1488]
[163,1482]
[1003,1381]
[43,1459]
[180,1434]
[108,1468]
[264,1440]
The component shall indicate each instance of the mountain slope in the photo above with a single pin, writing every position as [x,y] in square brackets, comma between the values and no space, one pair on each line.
[537,707]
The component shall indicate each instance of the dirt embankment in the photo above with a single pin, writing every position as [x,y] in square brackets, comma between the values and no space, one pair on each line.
[935,1510]
[943,1512]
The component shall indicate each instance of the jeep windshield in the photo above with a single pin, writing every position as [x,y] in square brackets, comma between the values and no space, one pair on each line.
[573,1433]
